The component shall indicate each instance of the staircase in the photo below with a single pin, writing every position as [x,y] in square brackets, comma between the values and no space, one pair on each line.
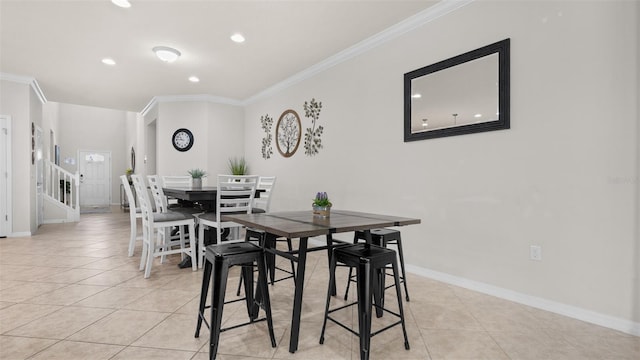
[61,194]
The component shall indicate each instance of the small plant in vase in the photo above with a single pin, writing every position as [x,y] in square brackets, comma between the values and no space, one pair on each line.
[238,166]
[128,173]
[321,204]
[196,177]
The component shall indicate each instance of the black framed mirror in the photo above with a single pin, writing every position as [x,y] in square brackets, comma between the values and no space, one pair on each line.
[465,94]
[133,160]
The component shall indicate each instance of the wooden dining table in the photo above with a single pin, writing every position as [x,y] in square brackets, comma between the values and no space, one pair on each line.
[304,225]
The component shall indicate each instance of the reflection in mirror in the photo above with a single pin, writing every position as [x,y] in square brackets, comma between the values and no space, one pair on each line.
[465,94]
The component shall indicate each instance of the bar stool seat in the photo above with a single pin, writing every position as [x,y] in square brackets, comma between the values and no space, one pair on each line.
[370,262]
[382,237]
[218,259]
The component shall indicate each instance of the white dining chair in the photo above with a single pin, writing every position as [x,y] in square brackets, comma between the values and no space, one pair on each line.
[235,195]
[152,223]
[134,214]
[175,181]
[263,202]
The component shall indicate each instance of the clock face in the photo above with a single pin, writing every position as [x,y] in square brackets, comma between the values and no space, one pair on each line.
[182,139]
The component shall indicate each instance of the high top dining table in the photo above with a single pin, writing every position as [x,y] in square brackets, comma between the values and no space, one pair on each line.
[303,225]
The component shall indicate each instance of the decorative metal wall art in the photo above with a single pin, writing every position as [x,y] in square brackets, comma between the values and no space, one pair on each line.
[288,131]
[312,141]
[267,123]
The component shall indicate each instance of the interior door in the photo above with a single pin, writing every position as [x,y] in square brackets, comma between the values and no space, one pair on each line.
[5,176]
[95,178]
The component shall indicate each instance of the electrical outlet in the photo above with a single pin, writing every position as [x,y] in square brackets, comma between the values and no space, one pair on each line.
[535,252]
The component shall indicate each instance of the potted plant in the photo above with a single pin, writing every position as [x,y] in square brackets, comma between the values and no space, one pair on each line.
[196,177]
[238,166]
[129,172]
[321,205]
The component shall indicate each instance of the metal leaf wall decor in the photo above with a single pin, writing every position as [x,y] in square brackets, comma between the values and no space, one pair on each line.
[267,123]
[312,140]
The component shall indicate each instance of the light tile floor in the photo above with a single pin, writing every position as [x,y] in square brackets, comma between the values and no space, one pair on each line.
[70,292]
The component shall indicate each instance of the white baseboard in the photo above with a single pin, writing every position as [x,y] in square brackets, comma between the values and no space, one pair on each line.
[624,325]
[20,234]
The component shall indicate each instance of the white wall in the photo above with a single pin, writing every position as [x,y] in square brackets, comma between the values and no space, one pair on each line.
[18,101]
[218,131]
[562,177]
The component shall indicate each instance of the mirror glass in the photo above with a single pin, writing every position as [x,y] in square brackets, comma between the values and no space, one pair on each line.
[465,94]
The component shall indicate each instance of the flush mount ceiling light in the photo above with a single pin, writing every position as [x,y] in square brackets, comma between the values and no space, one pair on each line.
[237,37]
[122,3]
[166,53]
[108,61]
[194,79]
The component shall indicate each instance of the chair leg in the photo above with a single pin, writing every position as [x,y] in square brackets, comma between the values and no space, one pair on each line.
[150,253]
[206,279]
[332,278]
[364,307]
[404,274]
[193,248]
[201,250]
[134,233]
[143,256]
[182,242]
[396,278]
[262,281]
[220,274]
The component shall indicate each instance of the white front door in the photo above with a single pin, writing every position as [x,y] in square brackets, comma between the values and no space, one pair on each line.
[95,178]
[5,176]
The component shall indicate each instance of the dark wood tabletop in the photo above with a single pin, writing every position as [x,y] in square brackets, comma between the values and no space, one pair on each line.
[304,224]
[296,224]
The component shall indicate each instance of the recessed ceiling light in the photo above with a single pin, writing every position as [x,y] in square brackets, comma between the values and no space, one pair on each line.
[416,96]
[122,3]
[166,53]
[194,79]
[477,115]
[108,61]
[237,37]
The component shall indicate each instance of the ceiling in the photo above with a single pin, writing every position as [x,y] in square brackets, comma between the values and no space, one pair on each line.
[61,44]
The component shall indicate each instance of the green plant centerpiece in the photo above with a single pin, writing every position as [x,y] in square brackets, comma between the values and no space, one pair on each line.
[196,177]
[238,166]
[321,205]
[128,173]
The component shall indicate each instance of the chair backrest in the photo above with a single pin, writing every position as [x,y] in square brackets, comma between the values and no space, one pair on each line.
[266,183]
[144,202]
[158,194]
[127,190]
[235,194]
[176,181]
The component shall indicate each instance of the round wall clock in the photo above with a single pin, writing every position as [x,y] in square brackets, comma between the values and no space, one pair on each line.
[288,133]
[182,139]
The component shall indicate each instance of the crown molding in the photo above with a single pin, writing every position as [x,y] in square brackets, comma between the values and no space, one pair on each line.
[27,80]
[438,10]
[185,98]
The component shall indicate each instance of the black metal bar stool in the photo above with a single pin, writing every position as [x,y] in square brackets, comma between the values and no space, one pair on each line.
[260,238]
[218,259]
[370,262]
[382,237]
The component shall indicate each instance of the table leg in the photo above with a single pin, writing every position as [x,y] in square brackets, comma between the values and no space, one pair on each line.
[297,301]
[329,253]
